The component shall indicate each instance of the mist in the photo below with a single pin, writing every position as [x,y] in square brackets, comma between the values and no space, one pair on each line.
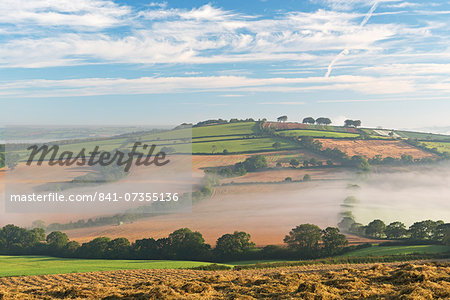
[407,195]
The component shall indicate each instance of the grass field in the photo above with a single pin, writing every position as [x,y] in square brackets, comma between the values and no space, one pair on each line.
[422,136]
[41,265]
[244,145]
[441,147]
[396,250]
[318,133]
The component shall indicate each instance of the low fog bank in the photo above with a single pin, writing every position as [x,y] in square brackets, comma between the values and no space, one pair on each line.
[412,195]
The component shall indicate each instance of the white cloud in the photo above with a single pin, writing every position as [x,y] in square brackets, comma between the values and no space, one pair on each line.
[85,13]
[156,85]
[197,36]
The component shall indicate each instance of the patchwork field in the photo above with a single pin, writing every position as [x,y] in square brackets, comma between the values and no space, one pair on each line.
[441,147]
[418,280]
[422,136]
[317,133]
[283,157]
[294,125]
[370,148]
[294,174]
[242,145]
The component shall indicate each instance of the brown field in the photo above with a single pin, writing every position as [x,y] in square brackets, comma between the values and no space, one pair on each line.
[295,174]
[418,280]
[265,211]
[370,148]
[209,161]
[285,125]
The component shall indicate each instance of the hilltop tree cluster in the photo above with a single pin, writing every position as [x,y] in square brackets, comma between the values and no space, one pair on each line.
[318,121]
[352,123]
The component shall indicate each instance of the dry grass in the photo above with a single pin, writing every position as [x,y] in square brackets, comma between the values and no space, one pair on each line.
[370,148]
[386,281]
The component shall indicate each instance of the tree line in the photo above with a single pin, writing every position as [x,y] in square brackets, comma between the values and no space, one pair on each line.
[303,241]
[427,230]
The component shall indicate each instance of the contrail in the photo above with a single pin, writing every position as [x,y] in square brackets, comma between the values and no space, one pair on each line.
[345,51]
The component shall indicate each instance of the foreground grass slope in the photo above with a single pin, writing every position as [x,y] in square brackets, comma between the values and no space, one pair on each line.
[42,265]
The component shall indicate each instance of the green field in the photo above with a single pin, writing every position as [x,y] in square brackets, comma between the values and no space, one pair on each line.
[318,133]
[244,145]
[441,147]
[396,250]
[422,136]
[41,265]
[244,128]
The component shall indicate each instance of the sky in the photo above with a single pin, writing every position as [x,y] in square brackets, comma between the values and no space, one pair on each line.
[65,62]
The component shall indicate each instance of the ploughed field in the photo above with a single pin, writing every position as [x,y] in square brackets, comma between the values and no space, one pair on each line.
[418,280]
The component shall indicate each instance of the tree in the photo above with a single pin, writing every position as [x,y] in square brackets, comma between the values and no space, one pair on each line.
[357,228]
[309,120]
[276,145]
[424,230]
[288,179]
[323,121]
[307,177]
[304,237]
[352,123]
[376,229]
[440,232]
[282,119]
[57,239]
[294,162]
[70,249]
[346,223]
[360,163]
[95,249]
[232,246]
[333,240]
[146,249]
[396,230]
[186,244]
[254,163]
[118,248]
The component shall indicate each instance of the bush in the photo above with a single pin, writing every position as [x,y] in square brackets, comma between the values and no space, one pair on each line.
[212,267]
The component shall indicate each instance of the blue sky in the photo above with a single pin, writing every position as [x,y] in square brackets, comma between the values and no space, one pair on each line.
[142,62]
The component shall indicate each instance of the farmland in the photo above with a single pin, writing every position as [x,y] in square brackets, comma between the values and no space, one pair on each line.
[371,148]
[242,145]
[316,133]
[440,147]
[41,265]
[418,280]
[282,157]
[396,250]
[421,136]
